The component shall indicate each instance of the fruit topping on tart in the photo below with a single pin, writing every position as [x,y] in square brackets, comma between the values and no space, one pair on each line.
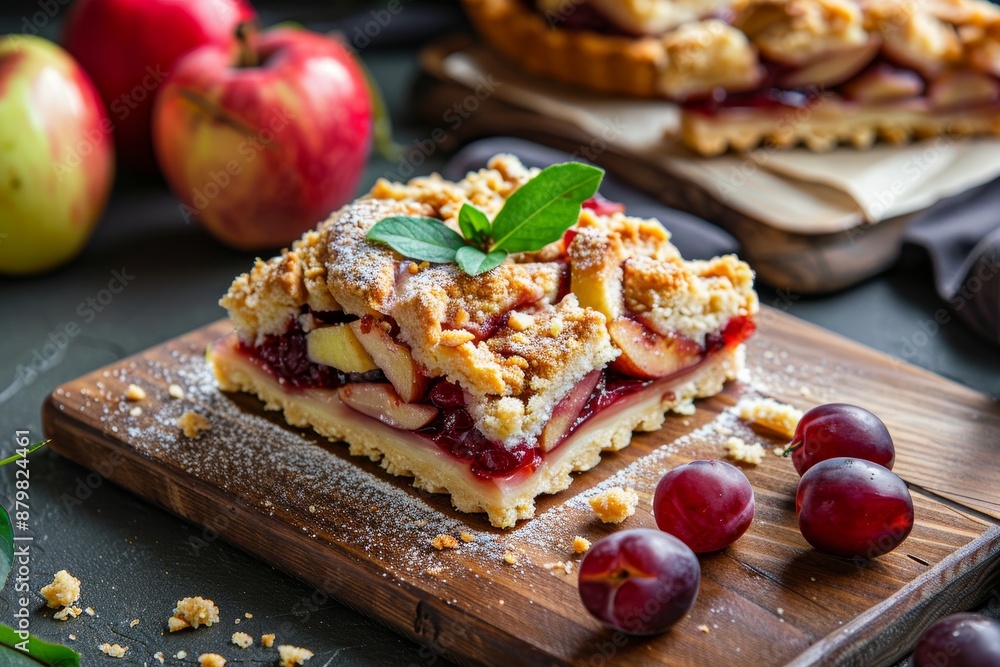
[782,72]
[489,384]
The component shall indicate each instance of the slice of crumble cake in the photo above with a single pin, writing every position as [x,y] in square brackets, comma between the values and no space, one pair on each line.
[492,388]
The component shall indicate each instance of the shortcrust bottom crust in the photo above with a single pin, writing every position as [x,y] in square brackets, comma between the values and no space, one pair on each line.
[825,126]
[505,500]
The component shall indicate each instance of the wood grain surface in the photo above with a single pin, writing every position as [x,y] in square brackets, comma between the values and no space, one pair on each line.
[363,536]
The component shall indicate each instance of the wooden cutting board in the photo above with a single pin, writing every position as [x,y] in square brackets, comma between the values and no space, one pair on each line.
[363,536]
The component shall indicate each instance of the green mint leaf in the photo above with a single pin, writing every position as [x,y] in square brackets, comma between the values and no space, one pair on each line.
[39,652]
[474,261]
[474,224]
[543,208]
[425,239]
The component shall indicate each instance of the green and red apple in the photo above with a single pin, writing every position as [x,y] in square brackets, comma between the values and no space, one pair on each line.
[129,48]
[263,146]
[56,155]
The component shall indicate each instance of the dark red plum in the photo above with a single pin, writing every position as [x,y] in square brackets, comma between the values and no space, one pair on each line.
[838,429]
[639,581]
[853,508]
[707,505]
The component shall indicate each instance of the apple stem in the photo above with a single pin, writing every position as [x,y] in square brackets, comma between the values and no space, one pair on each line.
[247,57]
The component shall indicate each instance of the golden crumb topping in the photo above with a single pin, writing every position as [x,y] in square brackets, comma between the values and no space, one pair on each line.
[801,31]
[913,36]
[242,639]
[614,505]
[516,338]
[691,298]
[708,54]
[267,641]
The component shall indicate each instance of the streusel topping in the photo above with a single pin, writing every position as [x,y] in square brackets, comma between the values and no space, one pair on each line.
[516,338]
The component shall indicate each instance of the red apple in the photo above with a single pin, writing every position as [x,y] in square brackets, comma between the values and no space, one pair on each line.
[130,46]
[56,155]
[262,147]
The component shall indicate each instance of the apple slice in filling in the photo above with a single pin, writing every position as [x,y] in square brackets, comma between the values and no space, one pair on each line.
[380,400]
[648,355]
[393,358]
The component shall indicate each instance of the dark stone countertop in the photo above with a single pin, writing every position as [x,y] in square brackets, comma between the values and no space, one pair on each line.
[136,560]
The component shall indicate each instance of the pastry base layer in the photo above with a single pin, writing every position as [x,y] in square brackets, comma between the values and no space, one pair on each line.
[825,126]
[504,499]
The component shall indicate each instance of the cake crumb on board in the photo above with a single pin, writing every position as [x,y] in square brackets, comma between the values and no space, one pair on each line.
[510,558]
[444,541]
[242,639]
[614,505]
[192,424]
[135,393]
[740,451]
[771,414]
[267,641]
[580,544]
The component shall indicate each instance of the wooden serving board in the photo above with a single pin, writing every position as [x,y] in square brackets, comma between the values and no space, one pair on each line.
[357,533]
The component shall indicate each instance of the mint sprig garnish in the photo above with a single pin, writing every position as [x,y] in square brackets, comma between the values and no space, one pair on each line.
[538,213]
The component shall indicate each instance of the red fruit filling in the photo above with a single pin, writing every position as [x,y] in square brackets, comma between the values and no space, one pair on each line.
[284,357]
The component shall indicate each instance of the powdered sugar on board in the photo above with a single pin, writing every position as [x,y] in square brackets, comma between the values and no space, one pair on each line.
[309,480]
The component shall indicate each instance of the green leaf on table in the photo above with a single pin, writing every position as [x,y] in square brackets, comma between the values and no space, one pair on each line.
[474,261]
[474,224]
[39,652]
[21,455]
[426,239]
[6,546]
[543,208]
[6,529]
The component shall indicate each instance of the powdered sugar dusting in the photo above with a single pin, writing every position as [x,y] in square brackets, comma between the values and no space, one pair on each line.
[391,524]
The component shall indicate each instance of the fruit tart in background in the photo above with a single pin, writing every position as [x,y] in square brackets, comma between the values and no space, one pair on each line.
[491,386]
[781,72]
